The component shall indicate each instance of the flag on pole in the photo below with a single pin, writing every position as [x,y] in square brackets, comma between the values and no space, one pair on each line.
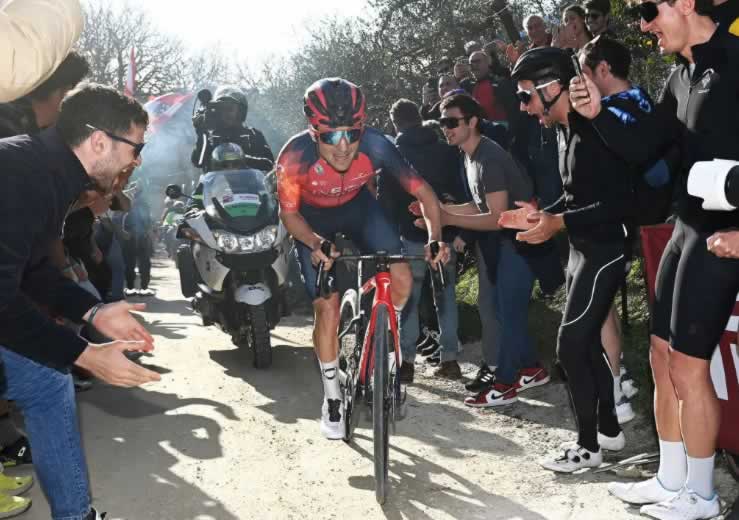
[129,89]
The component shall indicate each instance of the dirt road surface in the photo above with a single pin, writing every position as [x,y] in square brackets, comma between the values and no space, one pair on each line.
[217,439]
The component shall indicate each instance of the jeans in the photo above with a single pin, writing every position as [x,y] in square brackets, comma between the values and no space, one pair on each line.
[46,398]
[488,314]
[512,295]
[445,304]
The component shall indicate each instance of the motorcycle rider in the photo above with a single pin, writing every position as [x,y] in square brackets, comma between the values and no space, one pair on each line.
[223,122]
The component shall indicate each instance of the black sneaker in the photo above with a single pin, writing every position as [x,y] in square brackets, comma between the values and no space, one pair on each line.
[94,515]
[484,379]
[434,359]
[16,454]
[406,373]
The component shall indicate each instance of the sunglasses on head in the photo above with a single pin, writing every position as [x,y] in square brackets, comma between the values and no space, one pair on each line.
[524,96]
[648,11]
[137,147]
[334,137]
[451,122]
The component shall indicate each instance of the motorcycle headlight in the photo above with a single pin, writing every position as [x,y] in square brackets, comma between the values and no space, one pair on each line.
[266,238]
[227,241]
[247,243]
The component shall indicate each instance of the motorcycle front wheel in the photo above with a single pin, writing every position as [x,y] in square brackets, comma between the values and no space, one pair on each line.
[258,338]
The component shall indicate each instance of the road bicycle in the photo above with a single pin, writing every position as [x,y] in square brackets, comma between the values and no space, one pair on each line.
[369,353]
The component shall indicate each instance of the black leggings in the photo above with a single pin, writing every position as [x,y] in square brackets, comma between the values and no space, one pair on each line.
[594,274]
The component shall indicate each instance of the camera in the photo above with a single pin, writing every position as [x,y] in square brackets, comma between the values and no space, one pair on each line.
[206,118]
[717,183]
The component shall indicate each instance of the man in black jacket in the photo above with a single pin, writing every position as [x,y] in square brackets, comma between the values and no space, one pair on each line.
[602,146]
[438,164]
[99,134]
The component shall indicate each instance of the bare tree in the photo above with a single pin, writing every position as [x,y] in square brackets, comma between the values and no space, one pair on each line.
[110,34]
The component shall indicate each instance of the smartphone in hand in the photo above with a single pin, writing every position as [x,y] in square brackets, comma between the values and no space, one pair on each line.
[578,71]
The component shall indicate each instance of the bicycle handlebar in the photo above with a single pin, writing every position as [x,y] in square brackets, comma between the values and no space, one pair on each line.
[323,287]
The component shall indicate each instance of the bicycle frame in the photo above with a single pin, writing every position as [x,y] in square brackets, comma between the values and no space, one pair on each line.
[380,284]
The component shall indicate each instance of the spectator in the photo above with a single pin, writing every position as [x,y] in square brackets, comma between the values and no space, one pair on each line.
[461,69]
[27,60]
[445,66]
[600,144]
[598,17]
[574,32]
[138,245]
[438,164]
[71,157]
[429,99]
[472,46]
[495,182]
[696,290]
[536,30]
[447,83]
[483,89]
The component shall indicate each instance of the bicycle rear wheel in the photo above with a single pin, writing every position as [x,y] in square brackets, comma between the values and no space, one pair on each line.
[381,401]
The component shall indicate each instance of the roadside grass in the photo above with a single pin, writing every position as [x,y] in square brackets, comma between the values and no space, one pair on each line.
[545,314]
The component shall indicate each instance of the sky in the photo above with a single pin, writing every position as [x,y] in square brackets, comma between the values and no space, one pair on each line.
[254,30]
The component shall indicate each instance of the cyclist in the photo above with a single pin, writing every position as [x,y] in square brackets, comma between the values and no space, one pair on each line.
[325,179]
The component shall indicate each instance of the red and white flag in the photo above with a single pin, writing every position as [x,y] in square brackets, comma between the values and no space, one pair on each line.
[129,89]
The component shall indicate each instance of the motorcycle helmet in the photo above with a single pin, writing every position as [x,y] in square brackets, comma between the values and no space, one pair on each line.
[233,94]
[227,156]
[334,102]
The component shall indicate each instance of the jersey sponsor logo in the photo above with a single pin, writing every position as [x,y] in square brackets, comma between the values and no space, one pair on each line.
[319,169]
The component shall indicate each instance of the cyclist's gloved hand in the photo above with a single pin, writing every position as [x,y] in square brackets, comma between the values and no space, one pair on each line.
[442,256]
[317,256]
[658,175]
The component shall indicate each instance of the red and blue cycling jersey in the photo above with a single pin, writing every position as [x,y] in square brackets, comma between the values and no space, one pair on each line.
[303,176]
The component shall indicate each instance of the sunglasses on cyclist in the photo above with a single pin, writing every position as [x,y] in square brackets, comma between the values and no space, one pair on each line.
[137,147]
[451,122]
[648,11]
[524,96]
[335,136]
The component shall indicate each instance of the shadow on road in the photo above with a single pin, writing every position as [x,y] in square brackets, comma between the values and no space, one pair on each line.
[461,498]
[156,435]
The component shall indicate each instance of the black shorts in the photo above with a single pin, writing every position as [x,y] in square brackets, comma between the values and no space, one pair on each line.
[694,295]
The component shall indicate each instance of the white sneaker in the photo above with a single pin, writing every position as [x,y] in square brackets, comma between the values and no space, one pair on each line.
[574,459]
[628,388]
[624,411]
[616,443]
[639,493]
[332,419]
[686,505]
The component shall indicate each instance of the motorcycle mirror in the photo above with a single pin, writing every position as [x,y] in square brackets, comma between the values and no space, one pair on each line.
[204,96]
[173,191]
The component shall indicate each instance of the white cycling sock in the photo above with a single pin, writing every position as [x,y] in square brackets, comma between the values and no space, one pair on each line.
[700,476]
[617,393]
[673,465]
[330,378]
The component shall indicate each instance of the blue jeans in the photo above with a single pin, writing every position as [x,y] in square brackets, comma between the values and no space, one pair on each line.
[512,294]
[445,304]
[486,307]
[46,398]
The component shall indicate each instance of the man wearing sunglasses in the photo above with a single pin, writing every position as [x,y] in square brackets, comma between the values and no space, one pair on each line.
[696,290]
[98,135]
[599,151]
[597,17]
[324,178]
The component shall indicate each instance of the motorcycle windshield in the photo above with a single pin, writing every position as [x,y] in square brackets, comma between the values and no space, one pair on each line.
[241,199]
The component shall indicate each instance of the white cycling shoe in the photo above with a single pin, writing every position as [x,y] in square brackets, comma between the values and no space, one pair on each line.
[332,419]
[686,505]
[639,493]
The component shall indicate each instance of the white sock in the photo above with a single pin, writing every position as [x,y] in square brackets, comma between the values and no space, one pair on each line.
[330,378]
[700,476]
[673,465]
[617,393]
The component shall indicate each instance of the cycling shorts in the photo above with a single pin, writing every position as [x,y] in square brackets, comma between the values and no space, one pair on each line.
[362,220]
[694,295]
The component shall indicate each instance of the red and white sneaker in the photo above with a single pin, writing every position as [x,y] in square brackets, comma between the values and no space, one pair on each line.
[531,377]
[497,395]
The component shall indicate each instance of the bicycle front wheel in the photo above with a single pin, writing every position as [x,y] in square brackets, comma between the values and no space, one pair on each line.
[381,401]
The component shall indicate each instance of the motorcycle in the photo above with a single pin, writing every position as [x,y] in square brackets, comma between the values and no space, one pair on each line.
[234,262]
